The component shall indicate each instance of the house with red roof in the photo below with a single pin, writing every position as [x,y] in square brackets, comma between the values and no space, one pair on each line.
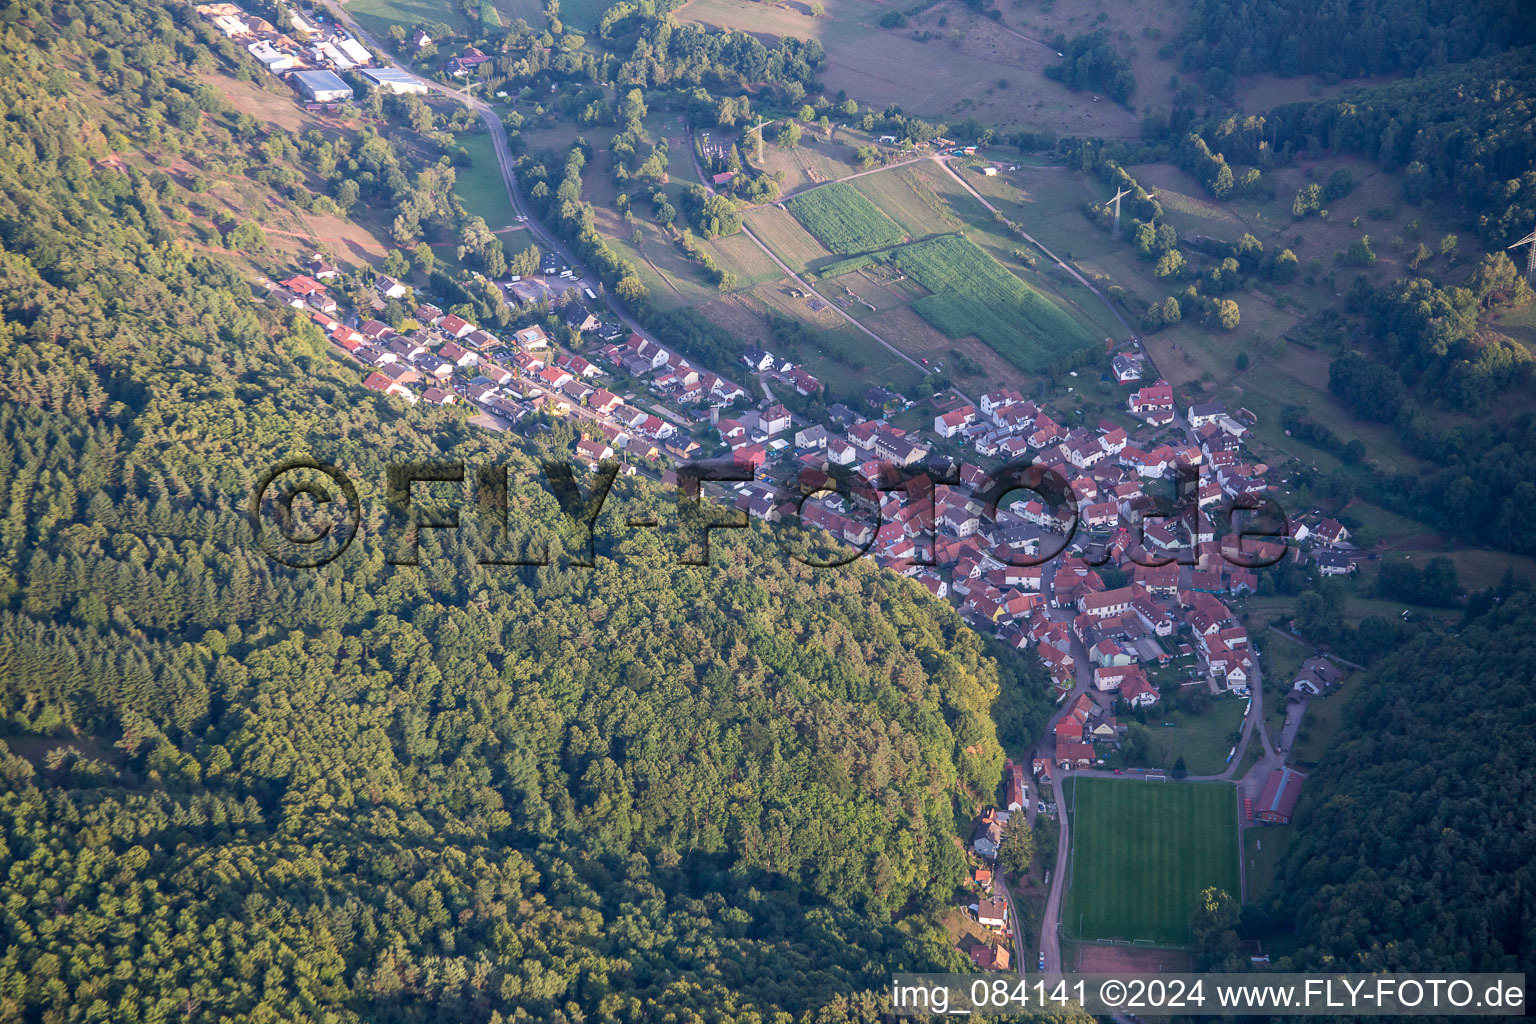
[1277,803]
[1154,399]
[458,355]
[378,382]
[1106,603]
[304,285]
[1138,692]
[951,423]
[1073,755]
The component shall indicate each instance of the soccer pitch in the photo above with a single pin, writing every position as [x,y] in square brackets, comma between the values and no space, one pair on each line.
[1141,854]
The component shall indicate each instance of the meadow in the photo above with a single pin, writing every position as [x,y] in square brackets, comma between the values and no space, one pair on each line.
[480,186]
[378,15]
[844,221]
[947,62]
[1201,740]
[1141,854]
[974,294]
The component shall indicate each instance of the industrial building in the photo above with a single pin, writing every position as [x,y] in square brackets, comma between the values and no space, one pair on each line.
[273,59]
[393,80]
[321,86]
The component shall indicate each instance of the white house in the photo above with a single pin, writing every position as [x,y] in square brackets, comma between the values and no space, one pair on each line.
[811,437]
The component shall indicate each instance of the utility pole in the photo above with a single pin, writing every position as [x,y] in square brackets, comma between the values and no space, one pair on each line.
[1529,241]
[1116,200]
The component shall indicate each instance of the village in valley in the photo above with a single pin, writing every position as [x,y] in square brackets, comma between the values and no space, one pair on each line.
[1122,592]
[1122,559]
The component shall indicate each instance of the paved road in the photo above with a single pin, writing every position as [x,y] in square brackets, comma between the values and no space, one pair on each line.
[1015,923]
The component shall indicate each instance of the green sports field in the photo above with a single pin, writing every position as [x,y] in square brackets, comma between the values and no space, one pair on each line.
[1141,854]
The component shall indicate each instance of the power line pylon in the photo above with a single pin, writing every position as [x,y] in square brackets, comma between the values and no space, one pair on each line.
[1529,241]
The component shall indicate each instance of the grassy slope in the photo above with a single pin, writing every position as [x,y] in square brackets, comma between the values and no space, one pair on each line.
[480,185]
[1202,740]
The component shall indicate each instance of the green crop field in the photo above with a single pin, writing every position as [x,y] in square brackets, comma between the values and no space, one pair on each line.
[1141,854]
[844,221]
[974,294]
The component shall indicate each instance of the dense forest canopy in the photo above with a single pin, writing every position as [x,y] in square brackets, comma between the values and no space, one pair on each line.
[1348,38]
[1416,849]
[640,792]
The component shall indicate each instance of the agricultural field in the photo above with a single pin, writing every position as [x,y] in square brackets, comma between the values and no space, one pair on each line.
[906,195]
[1141,854]
[974,294]
[797,247]
[844,221]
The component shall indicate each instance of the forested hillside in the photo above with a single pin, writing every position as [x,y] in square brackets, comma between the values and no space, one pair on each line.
[1348,38]
[640,792]
[1416,848]
[1458,134]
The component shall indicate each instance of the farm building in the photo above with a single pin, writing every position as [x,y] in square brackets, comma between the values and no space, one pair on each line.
[1278,801]
[321,86]
[393,80]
